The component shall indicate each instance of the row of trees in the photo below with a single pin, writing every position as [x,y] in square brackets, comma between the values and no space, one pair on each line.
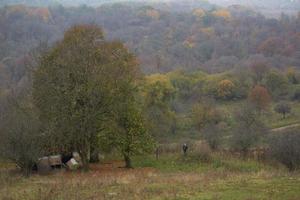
[84,93]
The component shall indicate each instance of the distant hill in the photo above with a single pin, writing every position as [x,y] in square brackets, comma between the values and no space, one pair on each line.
[271,8]
[56,2]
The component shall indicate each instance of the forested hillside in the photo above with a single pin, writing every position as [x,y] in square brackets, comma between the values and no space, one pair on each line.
[209,38]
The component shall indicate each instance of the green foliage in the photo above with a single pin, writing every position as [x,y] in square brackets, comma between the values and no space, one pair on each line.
[159,93]
[248,128]
[283,108]
[76,87]
[205,114]
[21,139]
[285,148]
[276,83]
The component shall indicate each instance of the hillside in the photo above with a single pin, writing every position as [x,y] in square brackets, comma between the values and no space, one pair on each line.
[206,38]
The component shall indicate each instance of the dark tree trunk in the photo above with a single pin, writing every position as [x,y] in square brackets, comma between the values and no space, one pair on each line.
[127,160]
[85,163]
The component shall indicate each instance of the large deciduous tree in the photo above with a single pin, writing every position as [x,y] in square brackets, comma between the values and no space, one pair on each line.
[76,87]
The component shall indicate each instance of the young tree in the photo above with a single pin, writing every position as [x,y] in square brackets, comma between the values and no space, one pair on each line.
[285,148]
[248,128]
[293,75]
[283,108]
[205,113]
[212,133]
[132,137]
[21,140]
[76,87]
[159,93]
[259,71]
[225,89]
[260,98]
[207,120]
[277,83]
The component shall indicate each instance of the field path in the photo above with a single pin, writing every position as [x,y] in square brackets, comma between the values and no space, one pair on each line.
[285,127]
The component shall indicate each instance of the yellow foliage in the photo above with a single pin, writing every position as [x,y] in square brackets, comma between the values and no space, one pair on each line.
[209,31]
[223,13]
[162,78]
[225,88]
[198,12]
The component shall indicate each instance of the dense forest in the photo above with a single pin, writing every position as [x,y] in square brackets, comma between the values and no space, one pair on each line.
[208,38]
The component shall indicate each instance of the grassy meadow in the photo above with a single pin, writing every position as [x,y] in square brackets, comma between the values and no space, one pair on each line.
[172,176]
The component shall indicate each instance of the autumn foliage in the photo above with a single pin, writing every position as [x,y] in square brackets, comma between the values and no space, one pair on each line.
[260,97]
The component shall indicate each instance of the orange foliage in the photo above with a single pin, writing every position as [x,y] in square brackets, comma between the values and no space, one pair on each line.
[260,97]
[271,46]
[198,12]
[43,13]
[225,89]
[222,13]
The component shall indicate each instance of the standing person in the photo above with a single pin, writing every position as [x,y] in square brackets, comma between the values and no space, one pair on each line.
[185,148]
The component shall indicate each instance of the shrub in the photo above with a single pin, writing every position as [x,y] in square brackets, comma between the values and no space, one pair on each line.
[285,148]
[201,151]
[296,96]
[212,133]
[283,108]
[21,141]
[248,129]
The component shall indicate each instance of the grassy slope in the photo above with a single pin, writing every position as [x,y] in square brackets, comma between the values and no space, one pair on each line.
[271,118]
[170,177]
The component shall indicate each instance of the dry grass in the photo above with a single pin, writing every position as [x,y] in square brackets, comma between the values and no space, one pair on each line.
[111,181]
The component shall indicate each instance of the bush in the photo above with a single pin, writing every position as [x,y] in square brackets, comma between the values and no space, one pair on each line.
[248,129]
[296,96]
[212,133]
[20,138]
[285,148]
[201,151]
[283,108]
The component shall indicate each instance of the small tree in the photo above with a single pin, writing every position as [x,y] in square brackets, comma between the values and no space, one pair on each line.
[205,113]
[260,98]
[276,83]
[259,71]
[283,108]
[292,75]
[212,133]
[207,121]
[133,138]
[285,148]
[21,140]
[296,95]
[248,128]
[225,89]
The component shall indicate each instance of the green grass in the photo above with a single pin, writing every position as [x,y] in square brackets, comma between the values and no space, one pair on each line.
[190,163]
[170,177]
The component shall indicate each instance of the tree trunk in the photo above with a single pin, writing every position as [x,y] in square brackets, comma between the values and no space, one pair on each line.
[85,162]
[127,160]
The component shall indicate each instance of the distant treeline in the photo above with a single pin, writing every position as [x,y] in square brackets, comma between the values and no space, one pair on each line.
[211,39]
